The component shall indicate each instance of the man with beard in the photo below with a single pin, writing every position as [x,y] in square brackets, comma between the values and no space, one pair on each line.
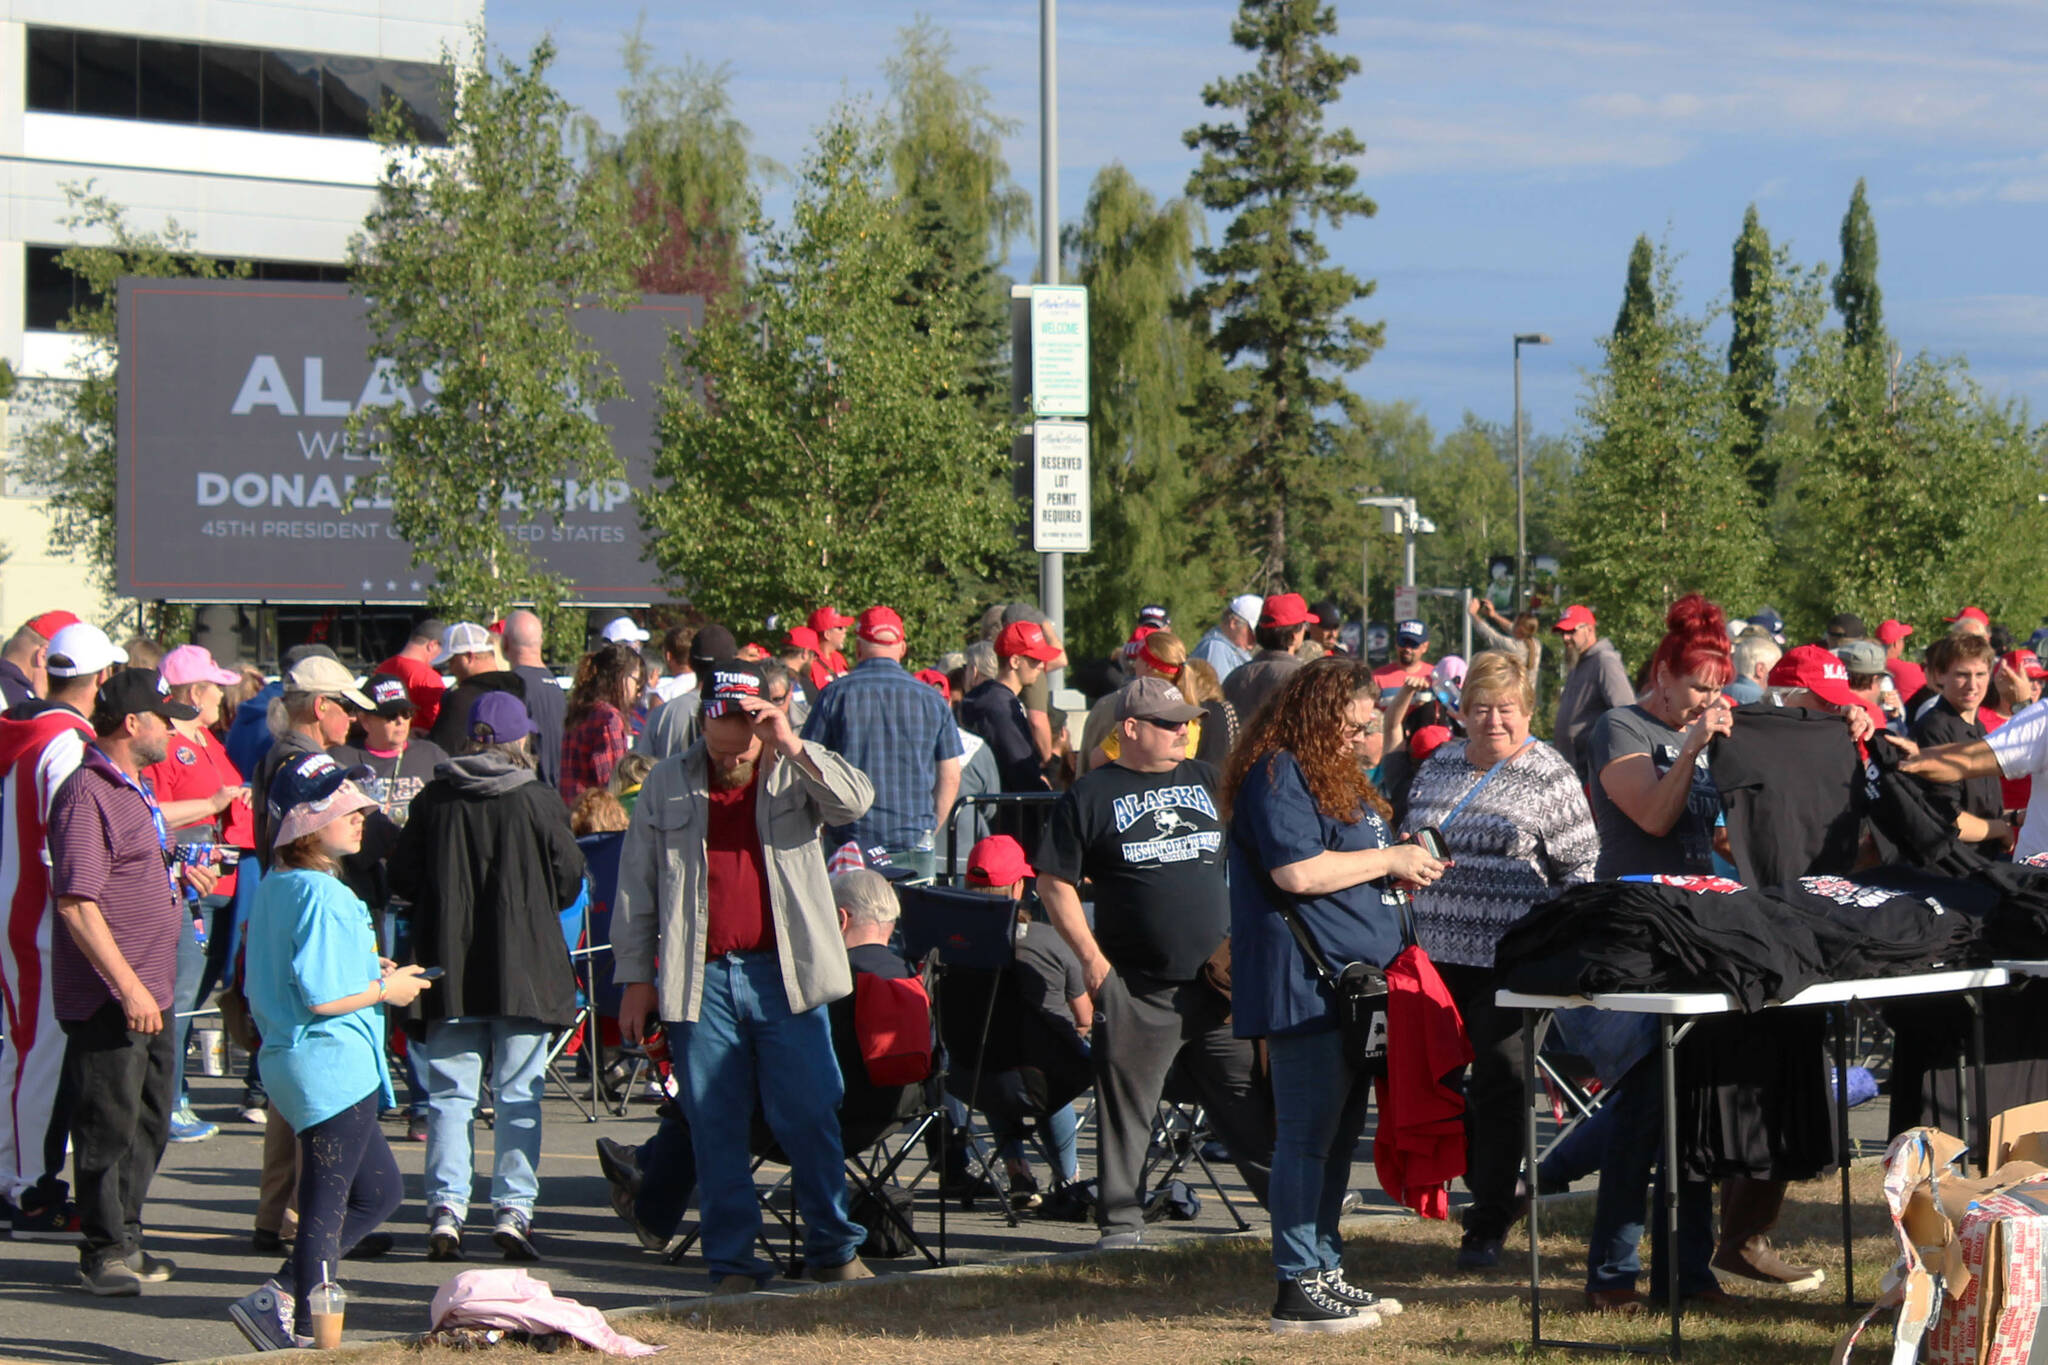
[1410,663]
[1598,684]
[724,927]
[114,970]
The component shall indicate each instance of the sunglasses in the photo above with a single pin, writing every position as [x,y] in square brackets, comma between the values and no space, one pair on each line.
[1164,724]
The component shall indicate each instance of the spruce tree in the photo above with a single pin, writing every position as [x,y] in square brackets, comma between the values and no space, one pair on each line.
[1638,296]
[1280,314]
[1752,354]
[1857,297]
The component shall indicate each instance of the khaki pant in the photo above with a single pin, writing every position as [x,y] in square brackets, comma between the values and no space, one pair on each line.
[278,1196]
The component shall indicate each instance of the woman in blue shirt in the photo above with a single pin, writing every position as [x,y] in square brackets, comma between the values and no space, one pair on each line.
[315,983]
[1309,831]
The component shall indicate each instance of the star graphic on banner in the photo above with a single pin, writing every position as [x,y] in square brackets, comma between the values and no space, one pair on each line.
[391,585]
[415,585]
[367,585]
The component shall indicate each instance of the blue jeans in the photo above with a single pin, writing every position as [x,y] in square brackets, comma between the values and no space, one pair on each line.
[199,971]
[1319,1105]
[668,1172]
[398,947]
[454,1061]
[1062,1127]
[745,1034]
[1635,1146]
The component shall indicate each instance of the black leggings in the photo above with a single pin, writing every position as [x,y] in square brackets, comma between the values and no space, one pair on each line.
[348,1185]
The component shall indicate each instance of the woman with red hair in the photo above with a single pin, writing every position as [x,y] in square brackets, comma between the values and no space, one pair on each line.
[1655,805]
[1653,800]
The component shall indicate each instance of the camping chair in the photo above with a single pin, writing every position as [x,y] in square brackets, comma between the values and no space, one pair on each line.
[586,930]
[1180,1129]
[996,1055]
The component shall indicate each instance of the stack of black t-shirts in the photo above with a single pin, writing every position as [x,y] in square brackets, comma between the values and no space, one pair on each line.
[1708,934]
[1913,820]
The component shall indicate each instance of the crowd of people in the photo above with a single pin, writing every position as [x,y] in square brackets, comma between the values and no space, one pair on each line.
[374,874]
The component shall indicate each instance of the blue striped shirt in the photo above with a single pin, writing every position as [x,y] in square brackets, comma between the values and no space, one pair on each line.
[897,730]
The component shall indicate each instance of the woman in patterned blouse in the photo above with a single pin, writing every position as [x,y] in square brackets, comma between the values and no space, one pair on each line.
[1517,827]
[596,733]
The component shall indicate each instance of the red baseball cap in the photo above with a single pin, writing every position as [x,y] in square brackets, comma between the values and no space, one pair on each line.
[931,677]
[1816,670]
[1022,637]
[1426,741]
[1890,632]
[2024,662]
[1575,616]
[878,625]
[1137,639]
[803,637]
[1970,614]
[997,861]
[50,622]
[825,618]
[1287,609]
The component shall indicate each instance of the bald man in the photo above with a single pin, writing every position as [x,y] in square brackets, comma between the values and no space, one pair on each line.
[544,699]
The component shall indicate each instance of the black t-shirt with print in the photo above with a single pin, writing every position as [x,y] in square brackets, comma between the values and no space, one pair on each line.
[1153,845]
[1941,723]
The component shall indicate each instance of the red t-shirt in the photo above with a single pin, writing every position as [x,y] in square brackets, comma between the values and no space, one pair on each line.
[1390,677]
[423,684]
[2013,793]
[194,769]
[736,875]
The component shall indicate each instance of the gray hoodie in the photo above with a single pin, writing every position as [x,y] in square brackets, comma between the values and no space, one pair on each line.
[483,775]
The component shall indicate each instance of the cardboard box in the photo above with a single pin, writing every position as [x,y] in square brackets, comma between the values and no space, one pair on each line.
[1971,1281]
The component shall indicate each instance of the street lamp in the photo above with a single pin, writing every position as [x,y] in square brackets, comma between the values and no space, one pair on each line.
[1521,514]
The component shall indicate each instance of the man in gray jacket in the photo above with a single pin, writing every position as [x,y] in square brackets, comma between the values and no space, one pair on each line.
[722,883]
[1597,685]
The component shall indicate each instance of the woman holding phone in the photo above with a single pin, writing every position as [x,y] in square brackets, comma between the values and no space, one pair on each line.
[315,985]
[1515,830]
[1309,835]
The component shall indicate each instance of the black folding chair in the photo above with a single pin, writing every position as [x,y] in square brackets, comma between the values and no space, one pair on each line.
[1180,1129]
[996,1055]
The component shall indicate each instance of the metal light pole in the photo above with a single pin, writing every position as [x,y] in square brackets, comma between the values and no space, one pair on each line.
[1052,568]
[1521,513]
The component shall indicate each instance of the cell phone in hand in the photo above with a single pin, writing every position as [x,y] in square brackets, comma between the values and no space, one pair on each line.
[433,973]
[1431,840]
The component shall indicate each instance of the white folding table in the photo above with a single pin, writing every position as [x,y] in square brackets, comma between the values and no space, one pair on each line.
[1676,1011]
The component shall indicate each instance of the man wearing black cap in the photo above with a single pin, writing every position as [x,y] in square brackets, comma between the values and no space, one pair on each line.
[1145,829]
[1326,619]
[724,927]
[673,726]
[114,969]
[1844,628]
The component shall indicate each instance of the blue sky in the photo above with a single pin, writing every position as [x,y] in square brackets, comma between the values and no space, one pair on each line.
[1515,150]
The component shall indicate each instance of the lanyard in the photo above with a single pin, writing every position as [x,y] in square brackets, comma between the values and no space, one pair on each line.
[1466,799]
[156,817]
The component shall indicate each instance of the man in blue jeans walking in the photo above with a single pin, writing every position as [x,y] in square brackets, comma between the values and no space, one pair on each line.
[722,883]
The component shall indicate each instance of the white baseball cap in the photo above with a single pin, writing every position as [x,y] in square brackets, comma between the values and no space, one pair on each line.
[1247,608]
[464,637]
[82,649]
[621,630]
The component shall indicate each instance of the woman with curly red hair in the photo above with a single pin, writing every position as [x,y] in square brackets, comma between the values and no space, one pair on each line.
[1308,831]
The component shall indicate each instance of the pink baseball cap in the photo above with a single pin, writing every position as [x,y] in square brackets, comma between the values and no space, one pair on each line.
[193,664]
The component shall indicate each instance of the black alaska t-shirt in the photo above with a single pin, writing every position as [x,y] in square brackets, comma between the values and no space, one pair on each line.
[1153,845]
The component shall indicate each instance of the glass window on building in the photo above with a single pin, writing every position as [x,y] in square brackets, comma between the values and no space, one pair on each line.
[104,75]
[170,81]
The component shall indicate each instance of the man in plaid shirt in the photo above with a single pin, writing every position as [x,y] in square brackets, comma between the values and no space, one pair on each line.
[901,734]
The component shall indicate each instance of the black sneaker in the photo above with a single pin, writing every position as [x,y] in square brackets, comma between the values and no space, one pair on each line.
[372,1245]
[444,1236]
[54,1222]
[1334,1281]
[512,1232]
[1305,1304]
[1479,1253]
[620,1164]
[264,1242]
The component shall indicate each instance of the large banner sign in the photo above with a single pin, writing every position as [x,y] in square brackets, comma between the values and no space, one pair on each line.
[235,469]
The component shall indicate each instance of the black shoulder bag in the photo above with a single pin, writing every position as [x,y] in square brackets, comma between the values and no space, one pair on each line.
[1360,992]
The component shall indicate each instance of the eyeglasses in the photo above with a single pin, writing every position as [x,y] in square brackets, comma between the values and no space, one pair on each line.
[778,700]
[1164,724]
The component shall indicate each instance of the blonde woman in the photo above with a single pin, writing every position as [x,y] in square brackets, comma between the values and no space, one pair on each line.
[1516,827]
